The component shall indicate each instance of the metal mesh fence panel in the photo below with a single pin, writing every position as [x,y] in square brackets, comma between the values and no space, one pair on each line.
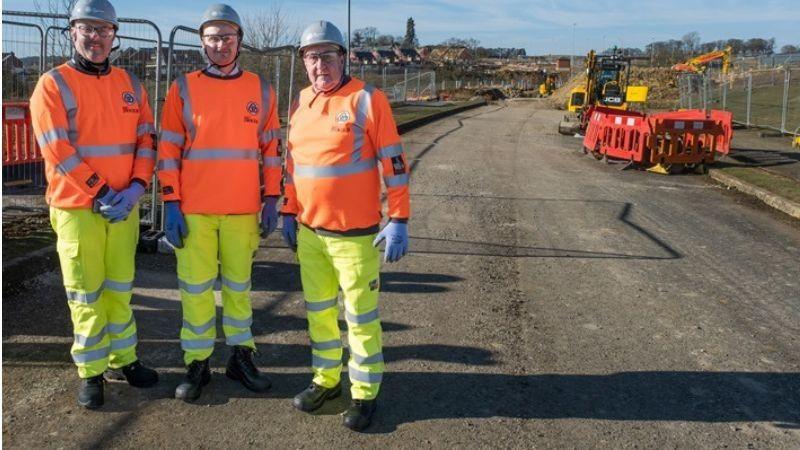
[766,99]
[737,98]
[793,102]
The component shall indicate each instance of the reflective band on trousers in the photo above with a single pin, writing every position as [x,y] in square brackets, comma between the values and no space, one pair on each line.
[364,377]
[199,329]
[326,345]
[97,151]
[173,137]
[324,363]
[111,328]
[235,286]
[220,154]
[358,359]
[396,180]
[92,355]
[119,344]
[317,306]
[117,328]
[237,339]
[360,319]
[197,344]
[334,171]
[237,323]
[91,297]
[198,288]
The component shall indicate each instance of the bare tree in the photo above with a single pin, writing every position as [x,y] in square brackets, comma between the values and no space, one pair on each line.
[59,47]
[267,28]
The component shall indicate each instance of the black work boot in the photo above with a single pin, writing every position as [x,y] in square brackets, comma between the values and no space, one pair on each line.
[359,415]
[90,394]
[242,369]
[314,396]
[135,373]
[197,375]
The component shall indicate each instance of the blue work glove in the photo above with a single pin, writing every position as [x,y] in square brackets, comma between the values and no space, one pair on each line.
[289,231]
[122,204]
[103,200]
[269,216]
[396,235]
[175,224]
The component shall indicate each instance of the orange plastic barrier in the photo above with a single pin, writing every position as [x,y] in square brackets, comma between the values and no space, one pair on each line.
[19,145]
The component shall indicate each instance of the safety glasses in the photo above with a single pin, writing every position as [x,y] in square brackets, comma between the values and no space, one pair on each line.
[215,39]
[327,58]
[103,31]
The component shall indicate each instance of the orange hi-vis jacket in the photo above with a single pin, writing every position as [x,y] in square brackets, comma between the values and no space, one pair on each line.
[94,130]
[214,130]
[336,144]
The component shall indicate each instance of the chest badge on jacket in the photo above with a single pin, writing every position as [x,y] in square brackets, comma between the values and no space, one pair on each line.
[341,124]
[129,103]
[252,109]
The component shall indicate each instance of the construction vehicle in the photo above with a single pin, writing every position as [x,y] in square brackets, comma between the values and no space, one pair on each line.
[548,85]
[699,64]
[607,78]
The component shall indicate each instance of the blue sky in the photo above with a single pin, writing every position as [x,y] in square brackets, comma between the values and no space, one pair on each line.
[539,26]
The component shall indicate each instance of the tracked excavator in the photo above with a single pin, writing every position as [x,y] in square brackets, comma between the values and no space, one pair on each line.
[700,63]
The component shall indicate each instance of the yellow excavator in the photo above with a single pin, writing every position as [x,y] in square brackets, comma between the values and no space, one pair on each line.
[700,63]
[548,85]
[607,78]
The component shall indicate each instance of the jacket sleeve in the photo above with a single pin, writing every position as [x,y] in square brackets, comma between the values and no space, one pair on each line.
[269,141]
[289,193]
[391,158]
[170,145]
[145,159]
[50,125]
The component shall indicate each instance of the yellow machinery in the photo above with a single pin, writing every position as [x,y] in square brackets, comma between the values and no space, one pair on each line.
[549,85]
[698,64]
[606,85]
[796,142]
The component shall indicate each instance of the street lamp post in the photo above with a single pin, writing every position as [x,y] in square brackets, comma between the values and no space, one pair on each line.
[348,37]
[572,55]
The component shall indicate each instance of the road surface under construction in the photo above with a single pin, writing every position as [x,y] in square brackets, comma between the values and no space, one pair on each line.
[549,300]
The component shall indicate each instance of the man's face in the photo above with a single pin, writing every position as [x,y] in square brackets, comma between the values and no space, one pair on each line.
[93,39]
[220,42]
[324,66]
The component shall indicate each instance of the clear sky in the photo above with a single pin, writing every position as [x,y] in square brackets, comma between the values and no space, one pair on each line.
[539,26]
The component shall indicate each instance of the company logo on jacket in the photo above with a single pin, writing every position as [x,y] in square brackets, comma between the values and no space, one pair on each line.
[252,109]
[129,100]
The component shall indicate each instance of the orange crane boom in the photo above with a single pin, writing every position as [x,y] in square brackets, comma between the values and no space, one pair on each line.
[698,64]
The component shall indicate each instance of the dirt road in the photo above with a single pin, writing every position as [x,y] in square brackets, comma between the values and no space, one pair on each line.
[550,300]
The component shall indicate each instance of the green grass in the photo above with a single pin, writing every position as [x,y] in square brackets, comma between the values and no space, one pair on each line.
[408,113]
[766,104]
[776,184]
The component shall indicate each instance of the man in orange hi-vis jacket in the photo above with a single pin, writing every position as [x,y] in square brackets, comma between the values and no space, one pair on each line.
[95,128]
[342,138]
[217,123]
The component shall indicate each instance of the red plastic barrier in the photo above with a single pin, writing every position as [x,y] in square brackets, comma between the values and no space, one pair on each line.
[19,145]
[680,141]
[724,118]
[593,136]
[625,135]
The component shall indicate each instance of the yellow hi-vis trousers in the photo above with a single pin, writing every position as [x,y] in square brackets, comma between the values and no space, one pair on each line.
[97,263]
[328,263]
[215,243]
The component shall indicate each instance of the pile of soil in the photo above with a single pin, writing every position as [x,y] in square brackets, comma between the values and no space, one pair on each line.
[661,81]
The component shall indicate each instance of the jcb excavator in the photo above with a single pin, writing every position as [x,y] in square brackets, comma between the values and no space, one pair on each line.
[699,64]
[606,85]
[548,85]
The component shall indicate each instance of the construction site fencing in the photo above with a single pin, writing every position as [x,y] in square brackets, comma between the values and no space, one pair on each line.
[761,98]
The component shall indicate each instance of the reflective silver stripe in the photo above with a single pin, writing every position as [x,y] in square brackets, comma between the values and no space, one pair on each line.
[145,128]
[168,164]
[236,286]
[360,123]
[119,286]
[148,153]
[324,363]
[183,91]
[70,105]
[197,344]
[85,297]
[68,165]
[50,136]
[262,118]
[273,161]
[364,377]
[317,306]
[361,319]
[119,344]
[96,151]
[269,135]
[397,180]
[173,137]
[118,328]
[137,86]
[92,355]
[358,359]
[199,329]
[237,323]
[390,151]
[218,154]
[326,345]
[288,180]
[237,339]
[334,171]
[90,341]
[198,288]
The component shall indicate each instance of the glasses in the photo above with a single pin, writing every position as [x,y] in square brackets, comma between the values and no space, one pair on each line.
[327,58]
[104,31]
[214,39]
